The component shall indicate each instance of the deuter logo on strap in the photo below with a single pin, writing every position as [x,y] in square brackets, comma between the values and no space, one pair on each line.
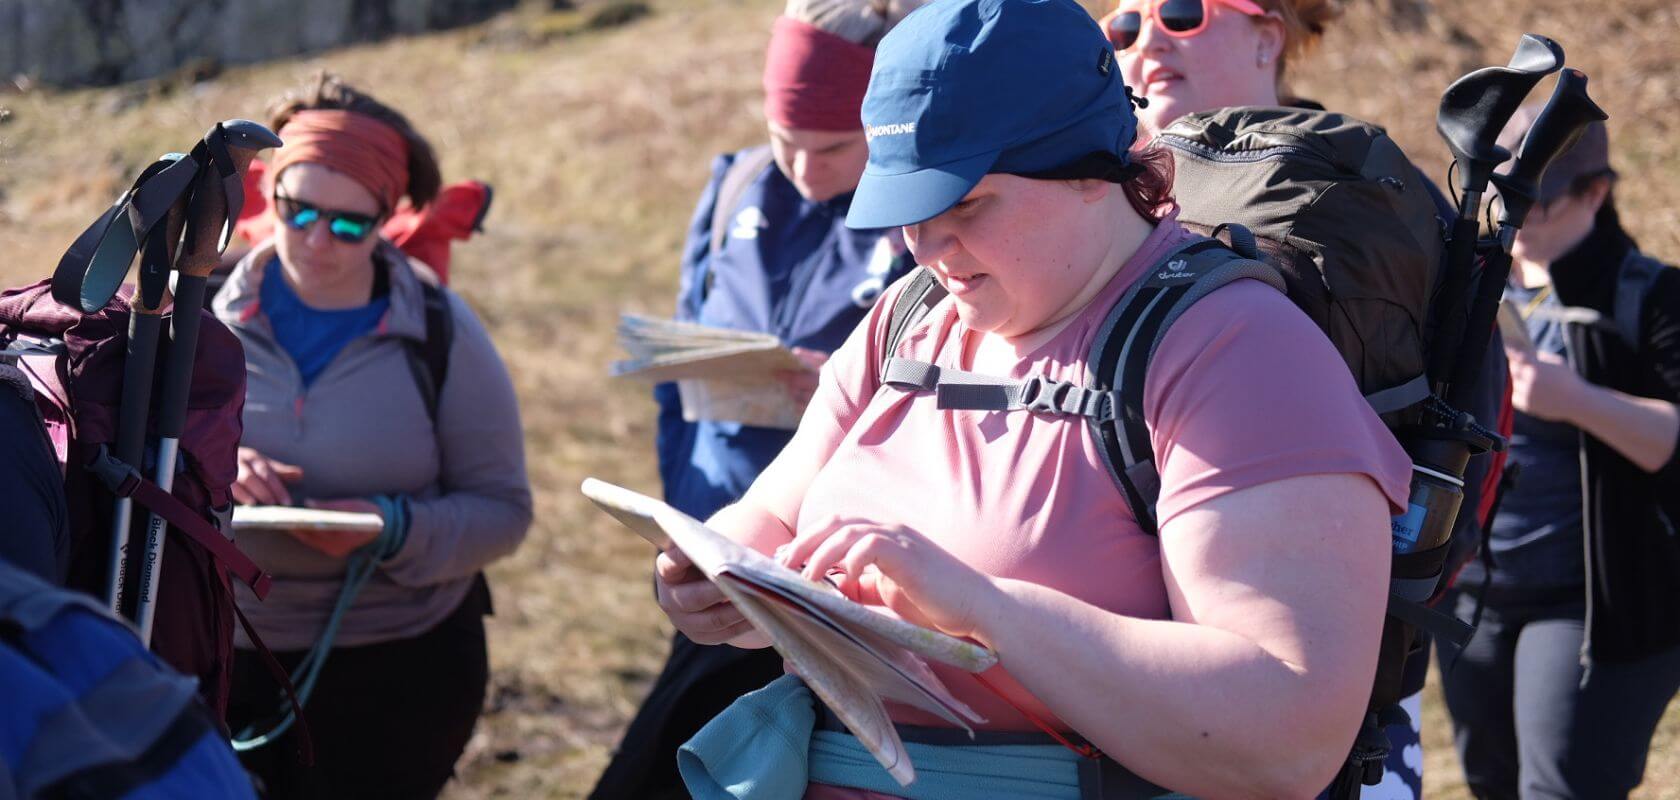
[1174,270]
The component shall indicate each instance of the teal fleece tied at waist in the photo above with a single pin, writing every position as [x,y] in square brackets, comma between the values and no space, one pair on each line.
[766,747]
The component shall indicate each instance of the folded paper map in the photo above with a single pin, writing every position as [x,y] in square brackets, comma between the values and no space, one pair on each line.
[851,655]
[722,375]
[314,519]
[1512,326]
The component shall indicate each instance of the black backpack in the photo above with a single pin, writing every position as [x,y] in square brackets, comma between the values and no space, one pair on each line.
[1321,206]
[429,359]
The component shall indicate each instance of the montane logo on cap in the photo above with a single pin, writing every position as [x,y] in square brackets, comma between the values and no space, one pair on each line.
[889,129]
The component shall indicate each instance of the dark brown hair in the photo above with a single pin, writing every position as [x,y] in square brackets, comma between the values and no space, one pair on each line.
[327,91]
[1150,192]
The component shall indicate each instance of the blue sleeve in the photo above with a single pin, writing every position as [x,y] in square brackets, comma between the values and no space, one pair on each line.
[675,438]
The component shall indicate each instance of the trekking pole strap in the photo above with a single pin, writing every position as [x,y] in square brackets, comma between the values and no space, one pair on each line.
[126,482]
[1444,627]
[93,268]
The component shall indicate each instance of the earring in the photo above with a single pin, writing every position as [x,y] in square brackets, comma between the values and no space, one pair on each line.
[1264,59]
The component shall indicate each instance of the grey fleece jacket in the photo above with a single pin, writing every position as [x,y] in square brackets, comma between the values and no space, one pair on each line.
[362,429]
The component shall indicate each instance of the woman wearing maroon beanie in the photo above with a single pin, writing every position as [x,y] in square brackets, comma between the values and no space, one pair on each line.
[767,250]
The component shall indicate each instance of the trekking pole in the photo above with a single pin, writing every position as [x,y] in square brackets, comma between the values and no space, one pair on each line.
[145,320]
[1560,124]
[1473,112]
[217,195]
[156,243]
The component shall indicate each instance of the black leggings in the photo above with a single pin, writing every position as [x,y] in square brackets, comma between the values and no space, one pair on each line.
[1524,725]
[387,719]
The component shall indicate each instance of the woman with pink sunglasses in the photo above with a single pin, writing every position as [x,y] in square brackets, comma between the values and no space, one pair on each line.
[1196,55]
[1188,56]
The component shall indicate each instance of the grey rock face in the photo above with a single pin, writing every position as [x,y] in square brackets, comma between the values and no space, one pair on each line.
[72,42]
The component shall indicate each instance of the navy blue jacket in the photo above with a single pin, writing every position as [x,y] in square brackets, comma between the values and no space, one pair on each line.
[789,267]
[36,534]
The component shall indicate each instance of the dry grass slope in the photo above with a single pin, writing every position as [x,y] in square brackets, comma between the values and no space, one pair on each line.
[597,142]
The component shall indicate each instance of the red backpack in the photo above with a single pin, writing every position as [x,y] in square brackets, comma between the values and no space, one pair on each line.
[423,234]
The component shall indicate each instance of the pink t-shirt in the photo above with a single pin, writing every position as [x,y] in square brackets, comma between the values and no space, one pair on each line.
[1244,390]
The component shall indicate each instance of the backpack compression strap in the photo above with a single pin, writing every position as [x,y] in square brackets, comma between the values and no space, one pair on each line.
[957,388]
[125,481]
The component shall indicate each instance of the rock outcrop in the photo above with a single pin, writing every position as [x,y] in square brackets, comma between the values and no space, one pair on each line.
[78,42]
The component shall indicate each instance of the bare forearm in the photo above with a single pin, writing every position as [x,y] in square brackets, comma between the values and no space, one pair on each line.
[1641,429]
[749,523]
[1194,707]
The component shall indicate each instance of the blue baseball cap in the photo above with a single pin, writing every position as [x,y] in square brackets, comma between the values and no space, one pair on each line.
[962,88]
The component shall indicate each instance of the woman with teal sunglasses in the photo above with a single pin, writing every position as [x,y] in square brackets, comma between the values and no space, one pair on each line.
[369,389]
[346,226]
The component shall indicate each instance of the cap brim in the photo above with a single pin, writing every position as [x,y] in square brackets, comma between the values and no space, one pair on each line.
[887,201]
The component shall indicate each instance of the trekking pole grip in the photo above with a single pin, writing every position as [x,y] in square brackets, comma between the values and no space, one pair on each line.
[1475,108]
[1558,127]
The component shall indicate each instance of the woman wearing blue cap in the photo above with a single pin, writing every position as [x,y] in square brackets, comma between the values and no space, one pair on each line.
[1229,656]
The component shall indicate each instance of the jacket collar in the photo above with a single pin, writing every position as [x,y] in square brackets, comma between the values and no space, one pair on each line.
[239,300]
[1586,275]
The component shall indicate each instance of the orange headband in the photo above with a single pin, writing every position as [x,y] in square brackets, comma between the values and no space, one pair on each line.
[371,152]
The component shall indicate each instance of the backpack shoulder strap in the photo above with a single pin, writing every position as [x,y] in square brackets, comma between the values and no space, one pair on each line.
[429,359]
[921,294]
[1633,283]
[736,178]
[1126,343]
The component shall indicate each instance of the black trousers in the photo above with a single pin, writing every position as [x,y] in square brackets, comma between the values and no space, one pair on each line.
[697,683]
[1525,725]
[388,720]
